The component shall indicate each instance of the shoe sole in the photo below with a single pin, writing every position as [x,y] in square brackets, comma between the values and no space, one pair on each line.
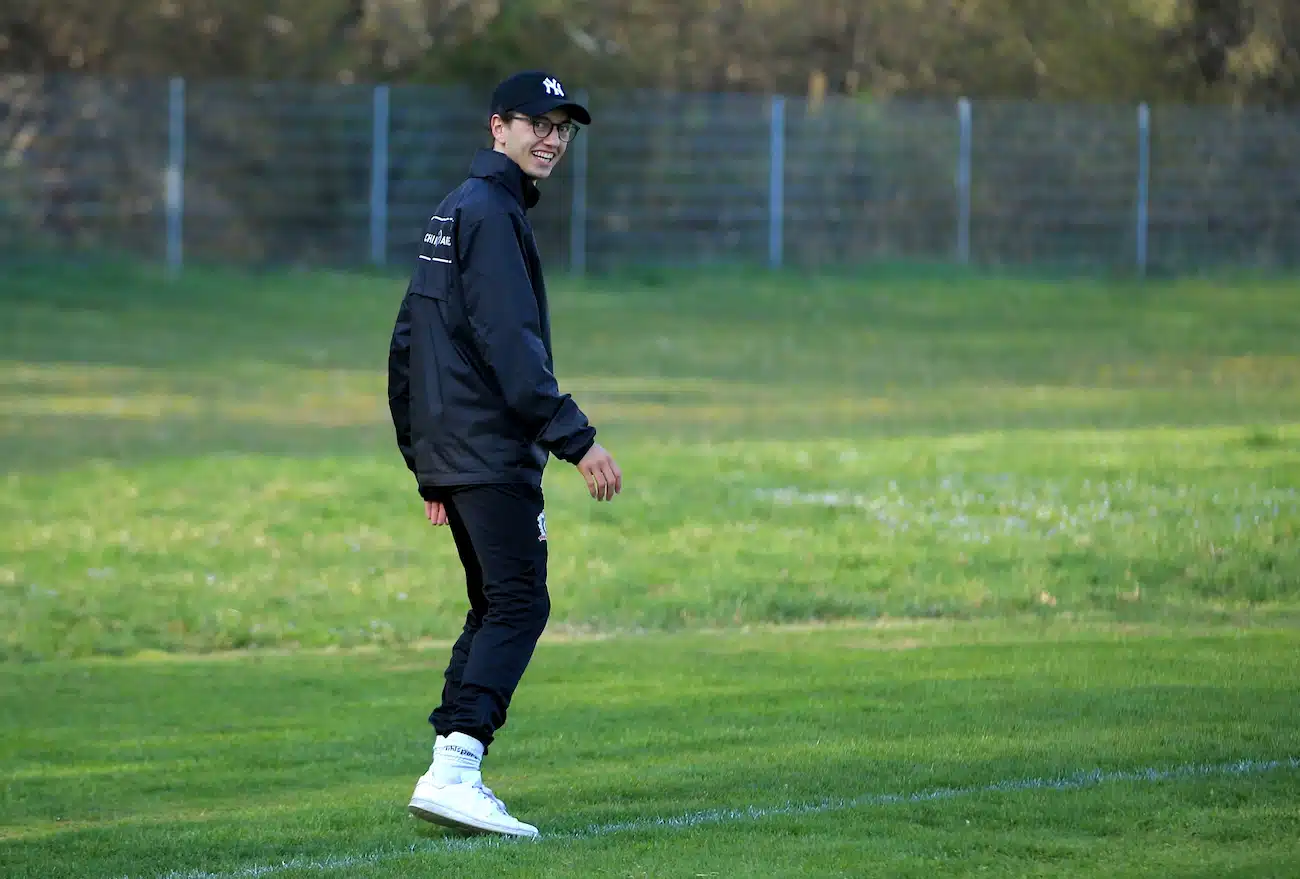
[443,817]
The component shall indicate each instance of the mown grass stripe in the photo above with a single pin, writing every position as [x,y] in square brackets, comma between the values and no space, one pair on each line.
[1073,782]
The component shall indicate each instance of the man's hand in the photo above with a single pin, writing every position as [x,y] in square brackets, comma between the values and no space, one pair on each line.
[435,512]
[604,479]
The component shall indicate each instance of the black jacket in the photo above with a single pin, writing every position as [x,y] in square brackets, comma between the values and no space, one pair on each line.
[470,373]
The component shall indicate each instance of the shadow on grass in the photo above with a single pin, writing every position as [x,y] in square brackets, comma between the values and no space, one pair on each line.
[51,444]
[121,363]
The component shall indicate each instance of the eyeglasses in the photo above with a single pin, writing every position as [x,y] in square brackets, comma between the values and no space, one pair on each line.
[542,126]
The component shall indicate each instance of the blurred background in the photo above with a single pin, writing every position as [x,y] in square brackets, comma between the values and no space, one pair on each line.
[1143,135]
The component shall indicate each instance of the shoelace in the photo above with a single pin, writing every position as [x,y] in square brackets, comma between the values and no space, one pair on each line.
[487,791]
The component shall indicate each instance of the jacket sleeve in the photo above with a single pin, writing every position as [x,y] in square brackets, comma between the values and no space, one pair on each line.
[503,314]
[399,382]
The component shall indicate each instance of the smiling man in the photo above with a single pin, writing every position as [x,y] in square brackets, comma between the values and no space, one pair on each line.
[478,412]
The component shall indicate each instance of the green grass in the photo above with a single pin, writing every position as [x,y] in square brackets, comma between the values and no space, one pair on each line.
[1057,519]
[209,465]
[152,767]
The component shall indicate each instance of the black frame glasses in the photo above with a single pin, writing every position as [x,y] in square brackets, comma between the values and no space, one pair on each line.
[542,126]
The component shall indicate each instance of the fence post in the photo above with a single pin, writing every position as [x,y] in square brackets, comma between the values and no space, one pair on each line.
[174,179]
[776,185]
[963,179]
[1143,185]
[379,177]
[578,209]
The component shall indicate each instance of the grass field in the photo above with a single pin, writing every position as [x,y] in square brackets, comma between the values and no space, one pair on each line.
[215,767]
[915,574]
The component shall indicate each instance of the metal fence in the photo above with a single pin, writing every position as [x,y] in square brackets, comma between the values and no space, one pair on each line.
[346,175]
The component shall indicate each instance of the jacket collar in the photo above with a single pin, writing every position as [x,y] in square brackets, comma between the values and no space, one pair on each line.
[500,168]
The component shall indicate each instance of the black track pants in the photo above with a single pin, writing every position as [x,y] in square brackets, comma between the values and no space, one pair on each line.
[500,535]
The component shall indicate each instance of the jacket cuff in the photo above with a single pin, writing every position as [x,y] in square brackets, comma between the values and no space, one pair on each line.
[575,454]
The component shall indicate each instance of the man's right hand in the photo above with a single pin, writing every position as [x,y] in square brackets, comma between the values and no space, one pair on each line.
[604,479]
[435,512]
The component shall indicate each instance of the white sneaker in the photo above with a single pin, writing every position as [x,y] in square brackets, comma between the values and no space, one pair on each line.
[465,806]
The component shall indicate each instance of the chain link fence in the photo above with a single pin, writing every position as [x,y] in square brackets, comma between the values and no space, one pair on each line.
[344,176]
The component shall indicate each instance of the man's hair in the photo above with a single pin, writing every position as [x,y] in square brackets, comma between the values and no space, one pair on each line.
[507,117]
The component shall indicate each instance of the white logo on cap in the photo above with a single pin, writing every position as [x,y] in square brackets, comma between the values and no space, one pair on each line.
[552,86]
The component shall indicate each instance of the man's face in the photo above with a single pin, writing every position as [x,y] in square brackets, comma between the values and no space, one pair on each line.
[518,139]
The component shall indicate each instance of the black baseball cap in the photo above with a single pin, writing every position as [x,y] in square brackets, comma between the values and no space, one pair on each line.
[535,92]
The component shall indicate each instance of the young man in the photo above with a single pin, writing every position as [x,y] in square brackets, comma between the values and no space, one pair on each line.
[477,412]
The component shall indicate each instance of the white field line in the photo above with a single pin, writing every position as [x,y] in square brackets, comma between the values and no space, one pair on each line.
[1076,781]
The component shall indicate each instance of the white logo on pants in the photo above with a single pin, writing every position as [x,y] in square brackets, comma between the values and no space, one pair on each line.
[541,525]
